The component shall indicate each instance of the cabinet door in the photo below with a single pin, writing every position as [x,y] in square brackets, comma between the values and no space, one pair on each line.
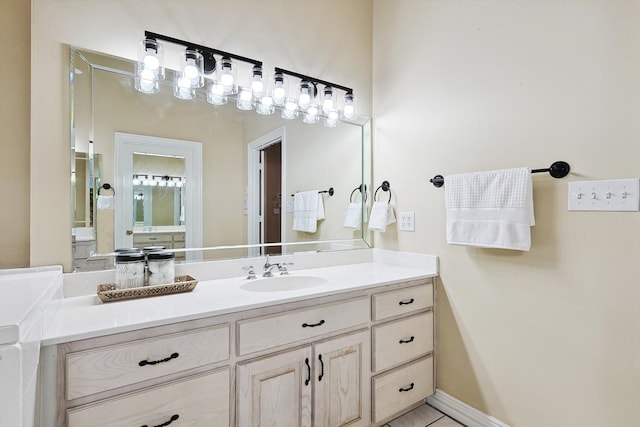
[275,391]
[341,397]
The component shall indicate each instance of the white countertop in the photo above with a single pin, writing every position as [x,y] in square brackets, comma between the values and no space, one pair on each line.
[82,317]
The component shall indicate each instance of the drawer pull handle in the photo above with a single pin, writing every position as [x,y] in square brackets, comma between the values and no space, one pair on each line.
[155,362]
[308,380]
[406,389]
[406,303]
[312,325]
[321,368]
[407,341]
[172,419]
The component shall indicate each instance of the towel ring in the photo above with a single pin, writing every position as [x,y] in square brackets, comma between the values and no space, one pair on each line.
[106,186]
[364,193]
[385,187]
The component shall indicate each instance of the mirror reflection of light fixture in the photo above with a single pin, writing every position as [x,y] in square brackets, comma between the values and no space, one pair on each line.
[199,64]
[290,110]
[157,180]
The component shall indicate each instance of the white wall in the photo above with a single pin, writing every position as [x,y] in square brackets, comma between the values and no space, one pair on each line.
[547,337]
[331,39]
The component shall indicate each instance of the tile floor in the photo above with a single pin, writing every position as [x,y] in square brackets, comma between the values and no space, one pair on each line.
[424,416]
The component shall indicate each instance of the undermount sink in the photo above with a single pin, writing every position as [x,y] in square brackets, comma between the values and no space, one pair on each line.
[283,283]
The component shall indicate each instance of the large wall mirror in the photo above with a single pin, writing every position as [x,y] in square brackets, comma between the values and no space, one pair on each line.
[229,194]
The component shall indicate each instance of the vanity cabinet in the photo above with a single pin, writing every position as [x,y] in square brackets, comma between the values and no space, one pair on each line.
[402,350]
[359,358]
[325,381]
[170,240]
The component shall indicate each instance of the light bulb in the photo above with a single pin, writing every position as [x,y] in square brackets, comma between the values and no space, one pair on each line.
[279,95]
[349,110]
[151,61]
[244,99]
[257,87]
[328,103]
[190,69]
[136,181]
[215,94]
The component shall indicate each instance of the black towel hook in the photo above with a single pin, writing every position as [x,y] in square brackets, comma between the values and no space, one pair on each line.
[106,186]
[385,186]
[363,190]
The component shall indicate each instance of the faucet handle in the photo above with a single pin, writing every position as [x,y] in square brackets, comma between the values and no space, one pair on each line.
[251,273]
[283,268]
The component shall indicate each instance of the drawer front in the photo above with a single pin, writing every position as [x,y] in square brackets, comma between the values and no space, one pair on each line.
[106,368]
[178,237]
[152,238]
[200,400]
[402,301]
[402,387]
[272,331]
[399,341]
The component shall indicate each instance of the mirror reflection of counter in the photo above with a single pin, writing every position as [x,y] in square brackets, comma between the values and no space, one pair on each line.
[167,237]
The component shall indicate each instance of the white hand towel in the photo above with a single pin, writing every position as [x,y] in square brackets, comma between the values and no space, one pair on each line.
[353,216]
[307,210]
[381,215]
[105,202]
[490,209]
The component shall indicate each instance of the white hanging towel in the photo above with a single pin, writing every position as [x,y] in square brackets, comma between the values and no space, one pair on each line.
[308,209]
[381,215]
[105,202]
[353,216]
[490,209]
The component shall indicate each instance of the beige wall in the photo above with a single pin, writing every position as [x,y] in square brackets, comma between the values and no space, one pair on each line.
[337,48]
[547,337]
[14,133]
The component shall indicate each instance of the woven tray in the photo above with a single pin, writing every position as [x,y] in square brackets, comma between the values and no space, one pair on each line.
[108,292]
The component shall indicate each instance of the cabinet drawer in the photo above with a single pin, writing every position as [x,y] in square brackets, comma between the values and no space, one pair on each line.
[402,387]
[201,400]
[178,237]
[105,368]
[152,238]
[402,301]
[272,331]
[399,341]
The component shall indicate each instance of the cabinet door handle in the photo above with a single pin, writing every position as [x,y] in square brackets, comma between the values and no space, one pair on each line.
[172,419]
[407,341]
[312,325]
[321,368]
[155,362]
[406,303]
[308,380]
[406,389]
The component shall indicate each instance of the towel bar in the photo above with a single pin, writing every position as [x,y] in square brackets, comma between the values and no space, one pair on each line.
[558,169]
[106,186]
[330,191]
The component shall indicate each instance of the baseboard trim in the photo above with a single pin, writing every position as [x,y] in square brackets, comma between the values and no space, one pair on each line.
[462,412]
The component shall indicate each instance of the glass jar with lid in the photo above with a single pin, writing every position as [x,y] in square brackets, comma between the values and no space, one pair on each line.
[129,270]
[160,268]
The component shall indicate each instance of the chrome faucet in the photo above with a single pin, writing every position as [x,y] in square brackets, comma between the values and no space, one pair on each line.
[268,267]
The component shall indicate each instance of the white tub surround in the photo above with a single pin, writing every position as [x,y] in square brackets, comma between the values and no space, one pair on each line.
[24,309]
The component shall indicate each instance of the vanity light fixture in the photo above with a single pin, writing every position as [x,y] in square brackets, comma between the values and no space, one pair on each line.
[204,66]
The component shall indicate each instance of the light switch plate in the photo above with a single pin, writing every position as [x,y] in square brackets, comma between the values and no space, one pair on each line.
[621,195]
[406,221]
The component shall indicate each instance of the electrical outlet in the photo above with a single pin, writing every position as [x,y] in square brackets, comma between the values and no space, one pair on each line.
[407,221]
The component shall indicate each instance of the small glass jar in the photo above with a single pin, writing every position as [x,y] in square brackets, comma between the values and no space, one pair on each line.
[129,270]
[160,268]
